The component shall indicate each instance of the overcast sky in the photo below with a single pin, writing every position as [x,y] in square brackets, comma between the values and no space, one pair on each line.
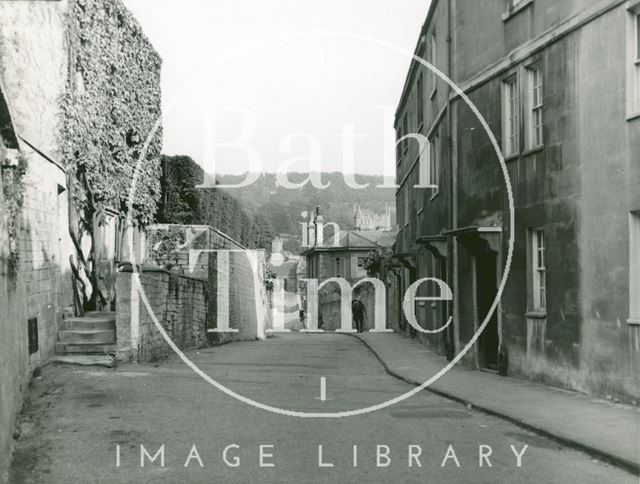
[221,55]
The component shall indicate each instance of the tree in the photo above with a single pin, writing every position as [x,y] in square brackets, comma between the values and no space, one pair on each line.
[182,203]
[112,102]
[375,261]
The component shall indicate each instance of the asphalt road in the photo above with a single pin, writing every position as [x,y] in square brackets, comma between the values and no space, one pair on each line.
[77,418]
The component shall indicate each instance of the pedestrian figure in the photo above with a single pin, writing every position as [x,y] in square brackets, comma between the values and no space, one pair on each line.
[359,313]
[303,321]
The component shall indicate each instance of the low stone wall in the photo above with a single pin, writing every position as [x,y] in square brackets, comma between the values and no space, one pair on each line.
[238,295]
[178,302]
[188,309]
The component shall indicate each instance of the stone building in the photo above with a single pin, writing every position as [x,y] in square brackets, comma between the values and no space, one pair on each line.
[366,220]
[345,256]
[558,85]
[39,70]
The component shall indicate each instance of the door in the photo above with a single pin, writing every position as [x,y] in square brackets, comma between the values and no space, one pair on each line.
[486,291]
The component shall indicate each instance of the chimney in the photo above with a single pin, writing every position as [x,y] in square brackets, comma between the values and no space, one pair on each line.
[319,231]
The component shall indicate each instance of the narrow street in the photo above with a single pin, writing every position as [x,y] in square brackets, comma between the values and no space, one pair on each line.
[77,416]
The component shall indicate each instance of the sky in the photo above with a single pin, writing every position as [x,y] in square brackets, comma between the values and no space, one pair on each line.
[269,85]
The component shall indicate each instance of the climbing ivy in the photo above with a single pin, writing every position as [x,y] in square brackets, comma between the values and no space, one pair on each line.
[13,191]
[376,259]
[164,246]
[111,104]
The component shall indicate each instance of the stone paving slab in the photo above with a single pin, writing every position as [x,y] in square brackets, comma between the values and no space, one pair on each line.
[607,430]
[106,361]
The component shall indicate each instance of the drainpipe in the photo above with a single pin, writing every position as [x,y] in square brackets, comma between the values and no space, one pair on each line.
[454,331]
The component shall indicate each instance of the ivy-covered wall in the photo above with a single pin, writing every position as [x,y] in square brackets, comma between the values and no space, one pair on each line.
[111,105]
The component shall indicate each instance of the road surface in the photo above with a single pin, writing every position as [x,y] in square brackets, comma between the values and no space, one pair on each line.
[79,418]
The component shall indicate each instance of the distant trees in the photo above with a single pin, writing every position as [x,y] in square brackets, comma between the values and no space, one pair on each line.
[182,203]
[282,207]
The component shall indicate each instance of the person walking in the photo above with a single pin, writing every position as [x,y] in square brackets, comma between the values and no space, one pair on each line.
[359,313]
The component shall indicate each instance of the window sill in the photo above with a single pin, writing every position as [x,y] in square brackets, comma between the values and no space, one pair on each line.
[633,322]
[539,314]
[532,151]
[633,116]
[515,10]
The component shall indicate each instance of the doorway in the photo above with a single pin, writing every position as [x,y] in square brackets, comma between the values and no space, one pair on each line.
[486,281]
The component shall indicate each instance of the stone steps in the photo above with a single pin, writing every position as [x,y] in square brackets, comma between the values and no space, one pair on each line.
[97,336]
[107,361]
[88,323]
[85,349]
[92,334]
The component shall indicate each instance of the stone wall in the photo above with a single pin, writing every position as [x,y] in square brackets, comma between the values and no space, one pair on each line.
[189,308]
[14,368]
[178,302]
[35,74]
[168,246]
[33,67]
[240,280]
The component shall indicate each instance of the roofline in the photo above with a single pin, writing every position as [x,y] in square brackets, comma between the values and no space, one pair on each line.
[412,64]
[339,249]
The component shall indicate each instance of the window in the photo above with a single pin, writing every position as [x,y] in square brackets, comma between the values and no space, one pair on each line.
[637,35]
[338,268]
[407,214]
[538,270]
[634,268]
[511,117]
[420,101]
[399,145]
[535,132]
[513,7]
[361,261]
[633,60]
[405,130]
[433,59]
[434,163]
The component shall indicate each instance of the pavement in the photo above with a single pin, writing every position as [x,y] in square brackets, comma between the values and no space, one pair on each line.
[607,430]
[77,418]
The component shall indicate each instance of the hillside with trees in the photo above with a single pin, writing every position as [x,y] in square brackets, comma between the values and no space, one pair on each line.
[281,207]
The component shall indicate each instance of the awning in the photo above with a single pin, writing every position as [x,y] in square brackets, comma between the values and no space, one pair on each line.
[478,239]
[437,244]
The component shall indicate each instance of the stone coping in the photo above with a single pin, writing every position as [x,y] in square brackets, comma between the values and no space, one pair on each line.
[127,267]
